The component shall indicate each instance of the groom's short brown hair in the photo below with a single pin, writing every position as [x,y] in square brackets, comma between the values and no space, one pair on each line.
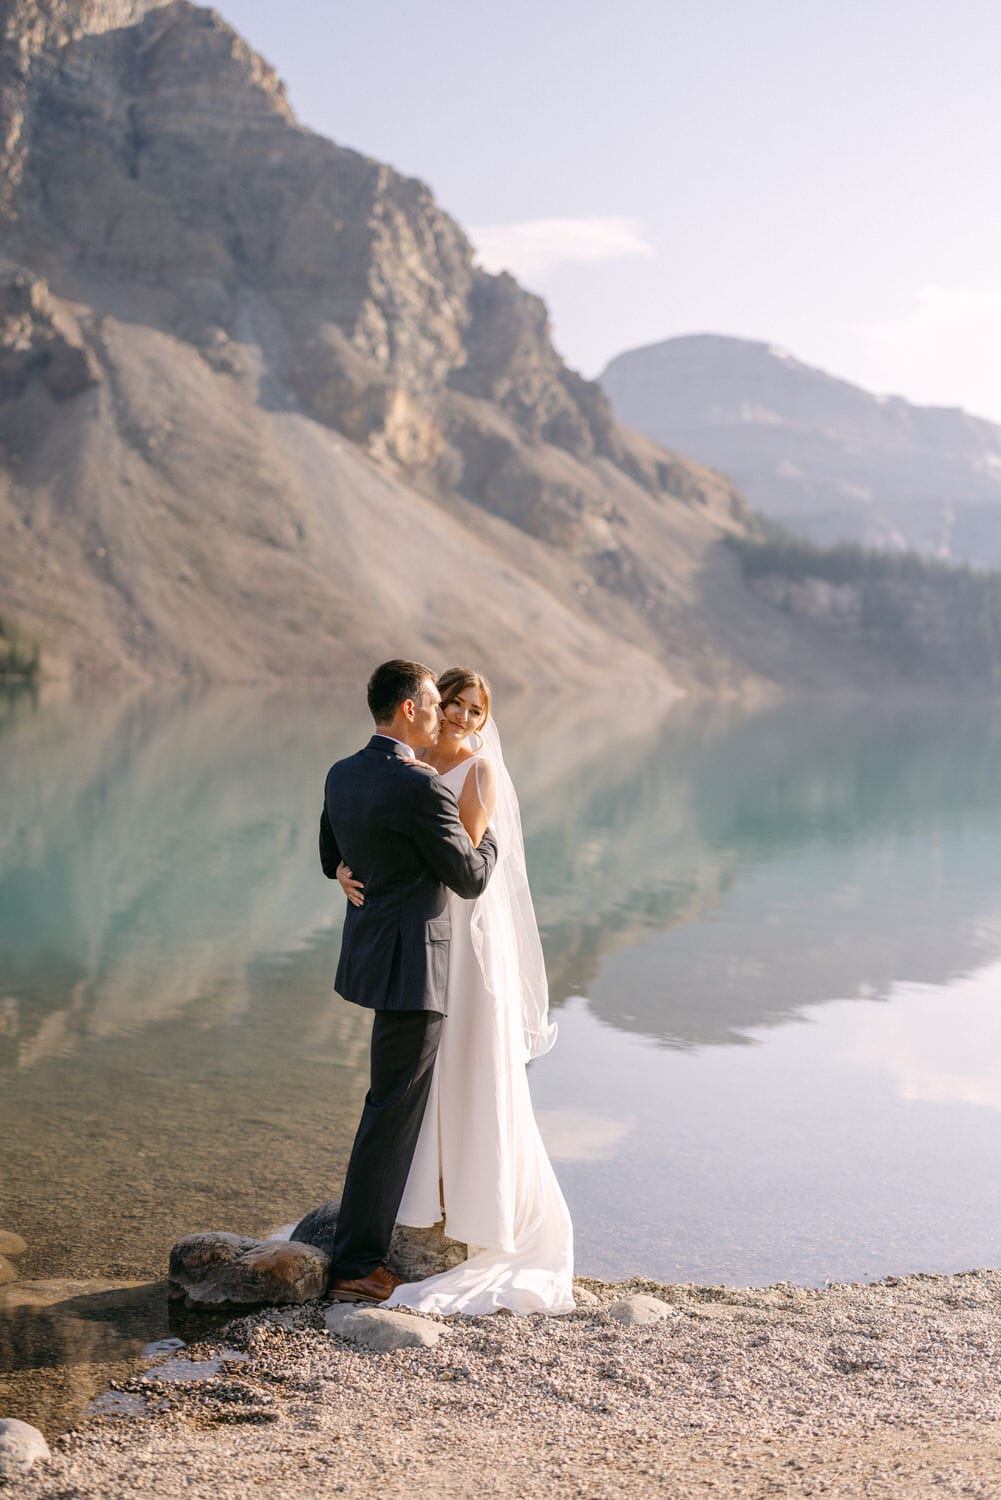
[392,684]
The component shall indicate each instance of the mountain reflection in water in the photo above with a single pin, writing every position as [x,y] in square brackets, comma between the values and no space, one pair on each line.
[738,868]
[150,851]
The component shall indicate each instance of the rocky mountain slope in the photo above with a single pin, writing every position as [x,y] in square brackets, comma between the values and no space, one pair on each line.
[262,416]
[827,459]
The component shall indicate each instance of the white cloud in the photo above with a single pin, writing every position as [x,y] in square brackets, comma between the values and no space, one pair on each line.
[579,1135]
[532,249]
[939,1043]
[942,351]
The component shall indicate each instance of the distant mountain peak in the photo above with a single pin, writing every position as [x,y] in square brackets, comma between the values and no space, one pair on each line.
[819,454]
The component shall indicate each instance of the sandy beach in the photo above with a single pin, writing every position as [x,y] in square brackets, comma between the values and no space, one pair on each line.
[888,1389]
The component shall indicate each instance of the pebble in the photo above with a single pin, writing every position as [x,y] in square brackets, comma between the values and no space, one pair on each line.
[21,1445]
[380,1330]
[11,1244]
[584,1297]
[7,1271]
[641,1309]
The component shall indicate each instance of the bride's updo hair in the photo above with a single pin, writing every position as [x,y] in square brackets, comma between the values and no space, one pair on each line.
[458,680]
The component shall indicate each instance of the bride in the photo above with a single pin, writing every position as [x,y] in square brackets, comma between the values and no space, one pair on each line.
[480,1160]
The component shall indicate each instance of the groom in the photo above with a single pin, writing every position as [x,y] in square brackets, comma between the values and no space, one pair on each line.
[398,829]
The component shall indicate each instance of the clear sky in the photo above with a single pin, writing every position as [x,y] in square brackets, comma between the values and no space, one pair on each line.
[821,174]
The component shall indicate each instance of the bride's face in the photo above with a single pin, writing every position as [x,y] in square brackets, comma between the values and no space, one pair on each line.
[462,714]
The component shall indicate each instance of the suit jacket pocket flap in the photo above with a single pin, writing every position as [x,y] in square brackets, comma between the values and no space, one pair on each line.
[439,930]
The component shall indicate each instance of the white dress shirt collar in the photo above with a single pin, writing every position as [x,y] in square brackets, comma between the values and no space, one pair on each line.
[409,749]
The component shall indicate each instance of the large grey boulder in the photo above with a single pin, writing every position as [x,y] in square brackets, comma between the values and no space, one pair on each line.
[232,1270]
[380,1330]
[413,1253]
[21,1445]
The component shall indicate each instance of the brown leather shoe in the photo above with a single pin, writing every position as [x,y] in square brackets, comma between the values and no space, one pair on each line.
[375,1287]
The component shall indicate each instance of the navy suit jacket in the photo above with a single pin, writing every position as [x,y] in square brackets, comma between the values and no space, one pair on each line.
[398,828]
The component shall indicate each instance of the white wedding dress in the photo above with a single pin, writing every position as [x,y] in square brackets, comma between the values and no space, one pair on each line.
[479,1135]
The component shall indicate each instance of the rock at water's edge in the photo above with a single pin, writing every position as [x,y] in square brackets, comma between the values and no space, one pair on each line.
[413,1253]
[220,1270]
[318,1226]
[21,1445]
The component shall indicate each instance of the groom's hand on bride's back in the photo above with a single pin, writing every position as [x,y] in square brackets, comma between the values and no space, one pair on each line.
[353,889]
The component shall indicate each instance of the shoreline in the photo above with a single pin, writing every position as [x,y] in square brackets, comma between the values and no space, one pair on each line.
[886,1388]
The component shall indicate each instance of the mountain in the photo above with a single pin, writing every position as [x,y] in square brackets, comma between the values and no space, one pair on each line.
[825,458]
[261,415]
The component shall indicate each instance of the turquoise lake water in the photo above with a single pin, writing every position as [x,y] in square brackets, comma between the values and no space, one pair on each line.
[774,945]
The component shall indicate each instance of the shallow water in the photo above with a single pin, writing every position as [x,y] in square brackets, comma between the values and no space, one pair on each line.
[774,945]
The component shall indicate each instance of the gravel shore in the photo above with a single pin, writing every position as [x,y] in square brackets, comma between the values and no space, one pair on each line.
[892,1389]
